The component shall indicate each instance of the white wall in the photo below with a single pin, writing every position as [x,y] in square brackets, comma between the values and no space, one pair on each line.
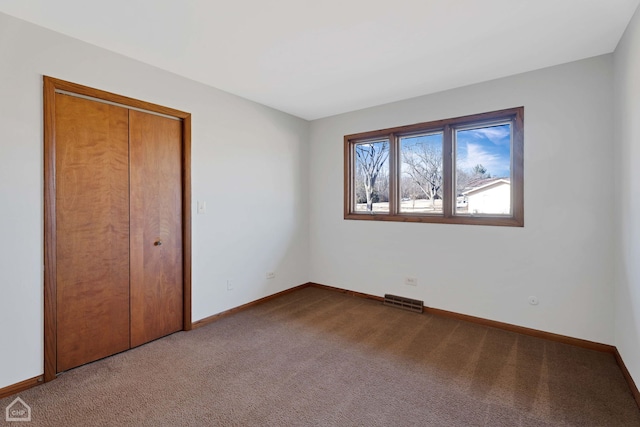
[260,219]
[249,164]
[627,203]
[563,255]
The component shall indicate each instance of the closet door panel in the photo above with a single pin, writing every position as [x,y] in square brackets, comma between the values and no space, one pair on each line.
[156,226]
[92,230]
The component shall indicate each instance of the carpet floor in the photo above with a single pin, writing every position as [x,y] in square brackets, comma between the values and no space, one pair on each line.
[321,358]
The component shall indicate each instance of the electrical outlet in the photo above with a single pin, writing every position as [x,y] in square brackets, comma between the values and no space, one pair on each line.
[271,275]
[229,285]
[411,281]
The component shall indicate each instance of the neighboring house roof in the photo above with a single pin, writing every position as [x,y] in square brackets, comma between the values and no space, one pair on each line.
[485,184]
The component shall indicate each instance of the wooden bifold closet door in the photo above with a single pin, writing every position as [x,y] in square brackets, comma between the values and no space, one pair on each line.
[119,265]
[156,226]
[92,227]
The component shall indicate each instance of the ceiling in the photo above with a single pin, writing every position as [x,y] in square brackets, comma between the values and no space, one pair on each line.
[318,58]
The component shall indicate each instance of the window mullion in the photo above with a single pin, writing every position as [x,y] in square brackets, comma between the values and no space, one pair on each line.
[394,206]
[465,142]
[447,172]
[349,174]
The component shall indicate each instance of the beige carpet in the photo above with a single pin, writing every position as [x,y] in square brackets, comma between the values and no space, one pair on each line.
[321,358]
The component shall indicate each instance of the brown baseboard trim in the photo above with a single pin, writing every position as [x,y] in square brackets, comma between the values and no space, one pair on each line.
[591,345]
[627,376]
[32,382]
[491,323]
[202,322]
[21,386]
[345,291]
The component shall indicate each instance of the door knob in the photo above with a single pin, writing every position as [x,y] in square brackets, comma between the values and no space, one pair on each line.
[158,243]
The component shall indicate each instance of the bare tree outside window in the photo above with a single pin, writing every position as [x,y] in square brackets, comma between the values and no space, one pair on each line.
[465,179]
[372,175]
[462,170]
[422,170]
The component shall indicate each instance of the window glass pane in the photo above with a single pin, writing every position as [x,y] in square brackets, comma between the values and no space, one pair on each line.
[421,183]
[483,170]
[372,176]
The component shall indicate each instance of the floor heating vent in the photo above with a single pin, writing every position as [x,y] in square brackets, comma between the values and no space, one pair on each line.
[404,303]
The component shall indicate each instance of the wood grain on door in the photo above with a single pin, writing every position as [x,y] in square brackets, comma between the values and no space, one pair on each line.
[92,221]
[156,226]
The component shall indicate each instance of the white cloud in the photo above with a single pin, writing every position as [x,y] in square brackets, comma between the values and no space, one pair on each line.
[494,163]
[499,135]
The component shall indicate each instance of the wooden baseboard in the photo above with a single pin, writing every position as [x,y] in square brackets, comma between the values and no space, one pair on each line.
[491,323]
[32,382]
[591,345]
[20,387]
[345,291]
[627,376]
[219,316]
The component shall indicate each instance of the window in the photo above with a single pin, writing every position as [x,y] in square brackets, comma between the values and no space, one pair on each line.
[466,170]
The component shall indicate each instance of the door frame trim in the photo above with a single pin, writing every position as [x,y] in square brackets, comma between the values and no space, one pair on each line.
[51,85]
